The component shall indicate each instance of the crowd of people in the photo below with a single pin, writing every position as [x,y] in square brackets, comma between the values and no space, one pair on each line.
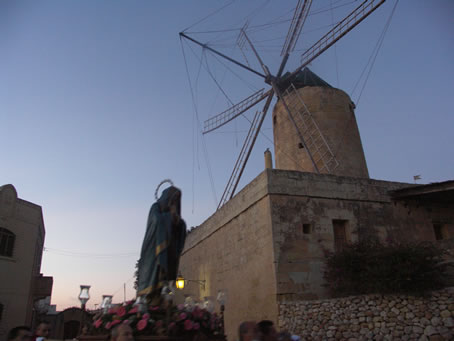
[247,331]
[263,331]
[24,333]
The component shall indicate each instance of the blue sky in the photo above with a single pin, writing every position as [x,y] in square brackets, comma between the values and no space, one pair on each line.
[95,110]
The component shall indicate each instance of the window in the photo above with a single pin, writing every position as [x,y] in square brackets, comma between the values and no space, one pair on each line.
[340,237]
[307,228]
[6,242]
[438,229]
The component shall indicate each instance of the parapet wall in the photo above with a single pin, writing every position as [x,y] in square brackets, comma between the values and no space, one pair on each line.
[372,317]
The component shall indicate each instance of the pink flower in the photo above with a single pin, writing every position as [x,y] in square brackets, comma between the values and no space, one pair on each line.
[180,306]
[113,310]
[108,325]
[158,324]
[115,322]
[97,323]
[126,322]
[196,326]
[133,310]
[182,316]
[146,316]
[121,311]
[187,325]
[153,308]
[172,325]
[141,324]
[197,313]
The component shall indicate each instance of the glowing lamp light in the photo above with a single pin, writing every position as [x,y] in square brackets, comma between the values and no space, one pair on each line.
[179,283]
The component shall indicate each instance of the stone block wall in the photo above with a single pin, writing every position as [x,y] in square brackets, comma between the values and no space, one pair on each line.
[304,207]
[372,317]
[233,251]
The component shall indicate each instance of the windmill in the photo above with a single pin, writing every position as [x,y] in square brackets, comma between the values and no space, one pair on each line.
[311,139]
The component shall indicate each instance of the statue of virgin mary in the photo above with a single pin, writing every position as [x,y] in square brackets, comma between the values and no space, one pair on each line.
[162,244]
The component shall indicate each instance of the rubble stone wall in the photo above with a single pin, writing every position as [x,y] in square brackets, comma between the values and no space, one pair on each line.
[372,317]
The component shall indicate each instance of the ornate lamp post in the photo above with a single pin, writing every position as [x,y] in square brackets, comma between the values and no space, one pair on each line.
[106,303]
[84,295]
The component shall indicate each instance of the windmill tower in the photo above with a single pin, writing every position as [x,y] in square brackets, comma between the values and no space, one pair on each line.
[311,123]
[326,118]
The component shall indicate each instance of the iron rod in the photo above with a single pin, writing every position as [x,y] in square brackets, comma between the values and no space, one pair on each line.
[222,55]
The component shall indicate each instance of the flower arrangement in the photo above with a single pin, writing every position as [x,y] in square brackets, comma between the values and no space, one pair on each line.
[159,320]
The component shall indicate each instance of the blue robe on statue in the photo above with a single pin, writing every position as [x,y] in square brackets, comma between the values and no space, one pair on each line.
[162,244]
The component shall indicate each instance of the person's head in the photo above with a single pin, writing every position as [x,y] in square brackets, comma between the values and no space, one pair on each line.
[247,331]
[21,333]
[284,336]
[266,330]
[122,332]
[85,329]
[43,329]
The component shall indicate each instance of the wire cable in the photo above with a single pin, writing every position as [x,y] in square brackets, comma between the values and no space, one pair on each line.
[120,288]
[80,254]
[382,38]
[249,85]
[209,15]
[373,56]
[198,121]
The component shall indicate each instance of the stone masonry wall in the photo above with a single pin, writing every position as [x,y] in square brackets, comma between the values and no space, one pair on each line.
[232,251]
[372,317]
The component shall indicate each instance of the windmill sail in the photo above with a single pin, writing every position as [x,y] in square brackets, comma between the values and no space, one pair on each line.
[226,116]
[341,29]
[245,152]
[301,12]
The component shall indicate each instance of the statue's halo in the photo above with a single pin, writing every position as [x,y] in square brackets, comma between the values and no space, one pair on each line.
[160,184]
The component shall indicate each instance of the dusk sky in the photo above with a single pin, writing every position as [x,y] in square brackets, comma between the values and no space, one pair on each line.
[96,109]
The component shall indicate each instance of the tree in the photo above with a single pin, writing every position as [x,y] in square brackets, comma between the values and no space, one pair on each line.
[372,267]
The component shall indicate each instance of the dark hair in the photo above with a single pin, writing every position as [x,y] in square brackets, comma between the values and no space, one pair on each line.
[42,322]
[13,333]
[244,328]
[265,326]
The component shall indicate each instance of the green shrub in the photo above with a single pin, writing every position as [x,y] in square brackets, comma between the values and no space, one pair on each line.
[371,267]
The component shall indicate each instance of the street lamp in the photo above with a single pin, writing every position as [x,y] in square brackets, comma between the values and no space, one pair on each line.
[106,303]
[84,295]
[181,281]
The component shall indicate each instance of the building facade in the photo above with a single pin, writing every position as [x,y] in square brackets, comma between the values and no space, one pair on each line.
[21,247]
[268,243]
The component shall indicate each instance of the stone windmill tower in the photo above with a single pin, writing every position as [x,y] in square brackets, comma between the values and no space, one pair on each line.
[314,126]
[326,118]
